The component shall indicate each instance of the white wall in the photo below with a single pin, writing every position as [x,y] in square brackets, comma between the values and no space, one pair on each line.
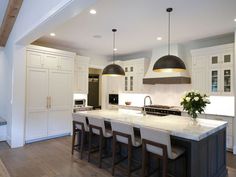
[35,19]
[3,79]
[3,8]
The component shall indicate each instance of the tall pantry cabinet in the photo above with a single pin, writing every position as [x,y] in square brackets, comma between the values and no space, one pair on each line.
[49,93]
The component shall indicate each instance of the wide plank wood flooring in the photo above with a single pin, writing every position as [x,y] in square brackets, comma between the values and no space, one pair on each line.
[53,158]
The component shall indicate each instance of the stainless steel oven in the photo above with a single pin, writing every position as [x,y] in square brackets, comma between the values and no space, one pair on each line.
[113,99]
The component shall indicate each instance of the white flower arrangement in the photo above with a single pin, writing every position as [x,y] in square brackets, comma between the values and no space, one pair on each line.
[194,102]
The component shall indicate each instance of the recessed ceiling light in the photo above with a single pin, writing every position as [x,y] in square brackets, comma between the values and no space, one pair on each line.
[159,38]
[93,11]
[52,34]
[97,36]
[235,19]
[115,49]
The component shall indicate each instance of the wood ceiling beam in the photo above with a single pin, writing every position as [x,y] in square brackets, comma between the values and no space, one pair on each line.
[9,19]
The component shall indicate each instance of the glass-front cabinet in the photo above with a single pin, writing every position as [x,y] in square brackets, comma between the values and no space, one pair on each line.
[227,80]
[213,70]
[215,81]
[134,73]
[221,82]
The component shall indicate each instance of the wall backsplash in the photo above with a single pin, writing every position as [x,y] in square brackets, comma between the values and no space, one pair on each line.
[163,94]
[166,94]
[170,95]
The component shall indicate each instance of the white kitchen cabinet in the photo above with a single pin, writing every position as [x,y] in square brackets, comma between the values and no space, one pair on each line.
[81,74]
[36,104]
[212,70]
[59,115]
[134,73]
[49,93]
[46,58]
[200,74]
[66,63]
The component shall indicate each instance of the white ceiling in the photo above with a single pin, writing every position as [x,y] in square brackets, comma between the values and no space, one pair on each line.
[139,22]
[3,6]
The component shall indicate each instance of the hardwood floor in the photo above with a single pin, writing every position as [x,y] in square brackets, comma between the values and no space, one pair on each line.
[53,158]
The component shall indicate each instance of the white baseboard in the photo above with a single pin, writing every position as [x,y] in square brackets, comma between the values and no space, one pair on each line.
[47,138]
[9,140]
[3,132]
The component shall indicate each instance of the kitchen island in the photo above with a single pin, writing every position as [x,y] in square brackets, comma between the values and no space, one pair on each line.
[204,140]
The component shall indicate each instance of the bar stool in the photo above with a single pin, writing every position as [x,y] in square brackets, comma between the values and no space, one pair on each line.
[80,128]
[158,142]
[97,127]
[123,133]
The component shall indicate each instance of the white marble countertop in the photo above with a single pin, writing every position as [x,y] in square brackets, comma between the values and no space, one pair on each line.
[178,126]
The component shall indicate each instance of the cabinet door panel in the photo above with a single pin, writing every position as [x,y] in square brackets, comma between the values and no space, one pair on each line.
[66,63]
[81,75]
[36,125]
[138,83]
[59,122]
[35,59]
[36,108]
[200,79]
[227,80]
[82,82]
[51,61]
[215,81]
[60,91]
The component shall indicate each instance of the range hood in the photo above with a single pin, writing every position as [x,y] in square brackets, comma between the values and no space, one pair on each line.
[152,77]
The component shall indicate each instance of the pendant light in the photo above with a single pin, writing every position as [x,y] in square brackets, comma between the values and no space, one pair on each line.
[169,63]
[113,69]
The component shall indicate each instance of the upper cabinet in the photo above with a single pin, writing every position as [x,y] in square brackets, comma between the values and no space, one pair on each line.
[212,69]
[134,73]
[47,58]
[81,73]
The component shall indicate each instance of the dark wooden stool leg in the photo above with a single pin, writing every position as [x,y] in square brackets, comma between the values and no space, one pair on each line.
[113,154]
[100,150]
[73,138]
[129,158]
[82,144]
[90,144]
[144,160]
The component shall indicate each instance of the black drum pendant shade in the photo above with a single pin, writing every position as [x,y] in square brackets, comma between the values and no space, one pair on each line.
[113,69]
[169,63]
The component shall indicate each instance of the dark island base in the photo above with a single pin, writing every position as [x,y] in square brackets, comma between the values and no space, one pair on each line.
[205,158]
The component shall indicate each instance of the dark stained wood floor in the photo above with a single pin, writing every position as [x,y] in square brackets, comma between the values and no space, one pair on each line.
[53,158]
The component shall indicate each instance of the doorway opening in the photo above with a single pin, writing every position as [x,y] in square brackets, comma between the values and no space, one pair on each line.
[94,89]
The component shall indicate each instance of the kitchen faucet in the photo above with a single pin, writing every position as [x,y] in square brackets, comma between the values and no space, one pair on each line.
[144,108]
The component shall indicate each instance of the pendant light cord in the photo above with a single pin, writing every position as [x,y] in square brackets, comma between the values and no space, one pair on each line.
[169,34]
[114,45]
